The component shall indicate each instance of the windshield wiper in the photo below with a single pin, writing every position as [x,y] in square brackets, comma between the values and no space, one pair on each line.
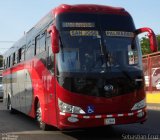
[104,52]
[62,48]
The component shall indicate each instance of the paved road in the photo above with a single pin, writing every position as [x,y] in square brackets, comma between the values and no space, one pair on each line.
[21,127]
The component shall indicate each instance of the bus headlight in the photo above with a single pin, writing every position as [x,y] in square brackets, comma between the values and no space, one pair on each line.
[67,108]
[139,105]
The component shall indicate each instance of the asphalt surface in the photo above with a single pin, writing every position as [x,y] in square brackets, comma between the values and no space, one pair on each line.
[21,127]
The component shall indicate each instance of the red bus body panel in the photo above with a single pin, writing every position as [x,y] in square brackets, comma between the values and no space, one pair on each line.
[111,106]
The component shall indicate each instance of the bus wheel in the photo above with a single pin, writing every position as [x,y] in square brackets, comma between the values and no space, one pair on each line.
[41,124]
[9,106]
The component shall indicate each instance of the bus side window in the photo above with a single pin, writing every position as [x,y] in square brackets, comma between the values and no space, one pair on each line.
[9,61]
[50,58]
[4,63]
[37,45]
[19,55]
[14,59]
[23,53]
[42,43]
[29,50]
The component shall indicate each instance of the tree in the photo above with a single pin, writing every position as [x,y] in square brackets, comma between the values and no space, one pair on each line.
[158,40]
[145,45]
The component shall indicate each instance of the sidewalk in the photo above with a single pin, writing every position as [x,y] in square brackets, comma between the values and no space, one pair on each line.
[153,106]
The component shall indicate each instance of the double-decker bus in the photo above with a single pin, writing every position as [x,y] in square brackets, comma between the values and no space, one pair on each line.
[80,66]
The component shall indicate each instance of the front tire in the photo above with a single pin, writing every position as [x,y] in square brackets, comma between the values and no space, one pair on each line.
[41,124]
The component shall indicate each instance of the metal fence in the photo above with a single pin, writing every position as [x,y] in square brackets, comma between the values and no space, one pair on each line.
[151,67]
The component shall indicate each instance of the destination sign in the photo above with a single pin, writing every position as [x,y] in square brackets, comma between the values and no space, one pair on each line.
[84,33]
[78,24]
[119,33]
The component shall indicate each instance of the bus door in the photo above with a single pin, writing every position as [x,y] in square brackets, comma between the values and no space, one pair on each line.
[28,90]
[15,86]
[50,82]
[18,90]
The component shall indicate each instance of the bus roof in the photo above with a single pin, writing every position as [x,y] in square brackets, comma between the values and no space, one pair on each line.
[89,8]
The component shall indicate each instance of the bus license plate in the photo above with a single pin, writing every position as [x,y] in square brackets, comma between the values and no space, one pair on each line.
[109,121]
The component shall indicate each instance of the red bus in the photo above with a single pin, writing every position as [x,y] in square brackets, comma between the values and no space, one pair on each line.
[80,66]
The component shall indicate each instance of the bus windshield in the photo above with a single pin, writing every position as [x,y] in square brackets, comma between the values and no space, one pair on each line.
[97,43]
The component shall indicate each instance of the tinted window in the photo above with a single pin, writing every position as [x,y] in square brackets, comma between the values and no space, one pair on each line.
[29,52]
[40,43]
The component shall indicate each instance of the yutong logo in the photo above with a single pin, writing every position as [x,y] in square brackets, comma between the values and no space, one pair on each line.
[108,88]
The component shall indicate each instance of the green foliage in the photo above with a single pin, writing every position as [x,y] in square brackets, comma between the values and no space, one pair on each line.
[158,40]
[145,45]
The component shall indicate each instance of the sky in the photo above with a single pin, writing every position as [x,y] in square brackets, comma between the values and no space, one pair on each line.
[18,16]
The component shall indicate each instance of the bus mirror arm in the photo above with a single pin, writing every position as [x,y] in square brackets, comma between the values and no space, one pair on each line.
[52,30]
[152,37]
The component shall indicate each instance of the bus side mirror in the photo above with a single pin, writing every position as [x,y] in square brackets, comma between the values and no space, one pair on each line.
[54,38]
[152,38]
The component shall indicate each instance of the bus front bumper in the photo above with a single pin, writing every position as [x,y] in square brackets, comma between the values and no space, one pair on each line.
[72,121]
